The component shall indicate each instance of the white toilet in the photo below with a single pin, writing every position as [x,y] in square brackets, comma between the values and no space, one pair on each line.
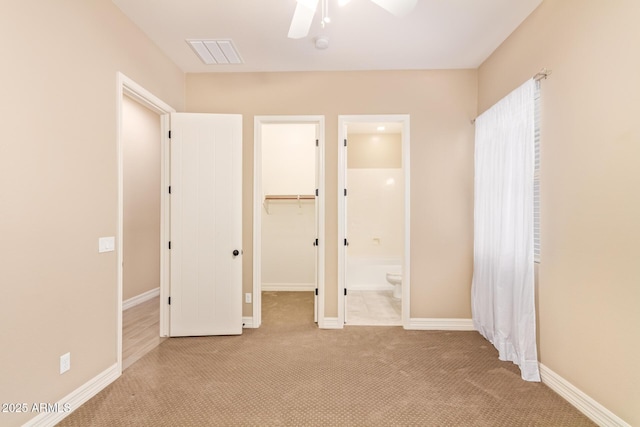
[396,280]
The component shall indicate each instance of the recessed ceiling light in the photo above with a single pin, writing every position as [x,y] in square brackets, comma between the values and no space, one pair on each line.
[215,51]
[380,128]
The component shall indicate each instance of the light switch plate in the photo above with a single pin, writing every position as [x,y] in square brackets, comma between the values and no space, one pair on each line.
[106,244]
[65,362]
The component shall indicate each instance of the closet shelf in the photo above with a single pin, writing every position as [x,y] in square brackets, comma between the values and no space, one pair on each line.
[275,197]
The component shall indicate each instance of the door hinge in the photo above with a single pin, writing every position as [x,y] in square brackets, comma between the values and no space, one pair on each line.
[317,142]
[346,242]
[345,142]
[169,244]
[169,189]
[169,300]
[315,243]
[345,191]
[345,291]
[316,192]
[169,134]
[316,291]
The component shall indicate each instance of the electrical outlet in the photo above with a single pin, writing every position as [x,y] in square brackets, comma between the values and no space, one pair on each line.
[247,298]
[65,362]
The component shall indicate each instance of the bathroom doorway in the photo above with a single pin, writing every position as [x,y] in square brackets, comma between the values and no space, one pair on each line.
[288,211]
[373,220]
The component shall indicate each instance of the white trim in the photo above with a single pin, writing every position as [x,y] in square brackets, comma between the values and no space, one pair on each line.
[584,403]
[404,119]
[331,323]
[258,121]
[425,324]
[289,287]
[139,299]
[247,322]
[126,86]
[76,398]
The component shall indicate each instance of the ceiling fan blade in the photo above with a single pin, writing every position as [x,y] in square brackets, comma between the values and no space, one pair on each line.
[302,18]
[397,7]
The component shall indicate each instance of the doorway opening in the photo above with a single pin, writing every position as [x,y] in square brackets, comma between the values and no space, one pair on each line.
[142,260]
[288,227]
[141,230]
[373,220]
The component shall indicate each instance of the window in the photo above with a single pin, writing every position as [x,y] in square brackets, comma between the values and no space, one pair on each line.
[536,176]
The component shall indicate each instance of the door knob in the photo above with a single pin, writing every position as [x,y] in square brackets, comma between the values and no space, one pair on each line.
[236,252]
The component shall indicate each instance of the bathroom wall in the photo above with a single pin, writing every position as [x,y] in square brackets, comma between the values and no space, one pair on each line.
[288,227]
[375,202]
[141,240]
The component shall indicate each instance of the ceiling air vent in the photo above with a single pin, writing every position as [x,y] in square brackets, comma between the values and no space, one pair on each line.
[215,51]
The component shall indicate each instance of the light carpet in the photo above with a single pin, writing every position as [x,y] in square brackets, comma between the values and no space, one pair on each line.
[290,373]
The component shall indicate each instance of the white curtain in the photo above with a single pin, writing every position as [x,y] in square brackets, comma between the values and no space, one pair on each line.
[503,305]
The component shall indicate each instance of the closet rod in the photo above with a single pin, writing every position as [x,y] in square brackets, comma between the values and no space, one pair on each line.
[289,197]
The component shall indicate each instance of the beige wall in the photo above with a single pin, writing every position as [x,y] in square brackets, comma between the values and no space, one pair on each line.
[58,167]
[440,103]
[141,151]
[589,278]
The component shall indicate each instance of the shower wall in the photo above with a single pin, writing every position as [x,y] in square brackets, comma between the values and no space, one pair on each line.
[288,226]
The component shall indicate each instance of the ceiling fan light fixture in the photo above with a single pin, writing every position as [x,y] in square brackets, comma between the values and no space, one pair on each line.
[302,18]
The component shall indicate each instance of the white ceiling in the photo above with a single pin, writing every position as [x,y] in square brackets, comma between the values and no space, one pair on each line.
[438,34]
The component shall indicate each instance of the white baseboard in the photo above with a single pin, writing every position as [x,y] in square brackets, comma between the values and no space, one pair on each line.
[76,398]
[330,323]
[139,299]
[247,322]
[584,403]
[422,324]
[288,287]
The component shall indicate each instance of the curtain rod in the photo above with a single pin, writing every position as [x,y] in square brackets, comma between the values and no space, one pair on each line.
[540,75]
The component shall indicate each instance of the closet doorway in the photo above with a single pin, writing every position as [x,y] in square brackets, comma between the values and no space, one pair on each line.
[288,221]
[373,220]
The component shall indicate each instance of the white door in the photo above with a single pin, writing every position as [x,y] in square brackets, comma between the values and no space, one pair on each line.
[345,242]
[206,224]
[318,166]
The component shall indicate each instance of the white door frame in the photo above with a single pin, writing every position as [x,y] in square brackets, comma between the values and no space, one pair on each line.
[257,211]
[126,86]
[343,121]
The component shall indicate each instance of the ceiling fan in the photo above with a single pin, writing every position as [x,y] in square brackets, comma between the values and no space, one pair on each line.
[306,9]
